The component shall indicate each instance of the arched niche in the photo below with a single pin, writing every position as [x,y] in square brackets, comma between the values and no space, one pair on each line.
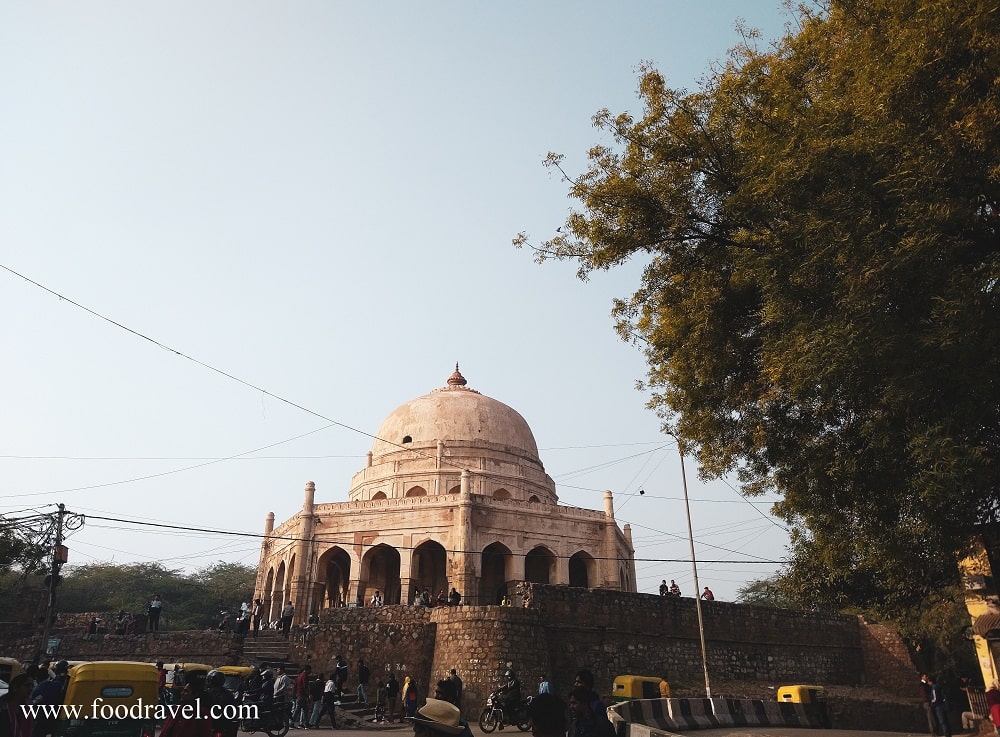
[496,564]
[334,572]
[540,565]
[380,570]
[582,570]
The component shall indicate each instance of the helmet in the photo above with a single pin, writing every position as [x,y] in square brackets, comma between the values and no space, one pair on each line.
[508,674]
[215,678]
[61,667]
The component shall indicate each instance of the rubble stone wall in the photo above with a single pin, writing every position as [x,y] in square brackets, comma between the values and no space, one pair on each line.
[608,632]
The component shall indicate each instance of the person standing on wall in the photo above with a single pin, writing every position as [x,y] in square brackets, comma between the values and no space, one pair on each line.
[153,613]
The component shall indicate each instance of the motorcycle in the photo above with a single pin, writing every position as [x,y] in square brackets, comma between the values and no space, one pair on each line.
[275,722]
[493,713]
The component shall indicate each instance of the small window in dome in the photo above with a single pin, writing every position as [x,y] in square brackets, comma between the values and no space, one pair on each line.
[407,439]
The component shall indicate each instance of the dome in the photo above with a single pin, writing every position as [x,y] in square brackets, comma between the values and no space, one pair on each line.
[458,414]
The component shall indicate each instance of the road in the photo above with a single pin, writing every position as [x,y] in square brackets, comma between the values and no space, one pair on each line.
[396,730]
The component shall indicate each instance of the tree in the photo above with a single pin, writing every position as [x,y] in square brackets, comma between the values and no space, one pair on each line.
[820,304]
[191,601]
[766,592]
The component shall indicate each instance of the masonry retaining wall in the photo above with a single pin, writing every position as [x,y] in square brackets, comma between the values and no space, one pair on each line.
[610,633]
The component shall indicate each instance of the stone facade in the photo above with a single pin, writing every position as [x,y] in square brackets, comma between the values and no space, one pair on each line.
[453,496]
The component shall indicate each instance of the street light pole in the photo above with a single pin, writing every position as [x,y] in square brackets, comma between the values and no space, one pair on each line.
[694,568]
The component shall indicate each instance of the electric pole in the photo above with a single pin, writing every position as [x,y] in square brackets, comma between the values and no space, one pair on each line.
[60,554]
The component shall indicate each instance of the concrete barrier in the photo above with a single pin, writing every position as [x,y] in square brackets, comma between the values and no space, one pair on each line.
[653,717]
[692,713]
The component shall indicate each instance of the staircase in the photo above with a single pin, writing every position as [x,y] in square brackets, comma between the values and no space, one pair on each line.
[354,713]
[268,647]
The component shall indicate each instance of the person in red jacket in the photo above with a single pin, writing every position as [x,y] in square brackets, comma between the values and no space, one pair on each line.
[300,713]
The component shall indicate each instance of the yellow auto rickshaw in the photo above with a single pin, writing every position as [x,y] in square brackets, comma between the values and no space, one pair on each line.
[110,698]
[812,698]
[627,688]
[180,674]
[236,676]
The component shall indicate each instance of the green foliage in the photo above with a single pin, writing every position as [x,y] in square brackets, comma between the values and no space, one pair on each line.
[191,601]
[820,305]
[766,592]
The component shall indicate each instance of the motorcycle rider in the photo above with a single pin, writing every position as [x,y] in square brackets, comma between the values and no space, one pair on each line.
[219,698]
[263,695]
[511,694]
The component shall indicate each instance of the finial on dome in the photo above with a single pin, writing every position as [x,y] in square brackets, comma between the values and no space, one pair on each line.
[456,379]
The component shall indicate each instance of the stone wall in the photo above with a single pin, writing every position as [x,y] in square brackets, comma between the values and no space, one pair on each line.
[400,639]
[564,629]
[204,646]
[887,659]
[612,633]
[478,642]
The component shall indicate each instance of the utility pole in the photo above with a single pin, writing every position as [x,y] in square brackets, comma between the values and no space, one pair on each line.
[60,555]
[694,567]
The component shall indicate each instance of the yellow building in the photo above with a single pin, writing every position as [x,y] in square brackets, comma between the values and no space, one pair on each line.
[453,495]
[982,600]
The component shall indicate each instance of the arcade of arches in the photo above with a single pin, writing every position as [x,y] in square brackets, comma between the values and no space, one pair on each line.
[379,570]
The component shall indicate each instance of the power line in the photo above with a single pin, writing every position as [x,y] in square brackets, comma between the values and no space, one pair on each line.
[349,541]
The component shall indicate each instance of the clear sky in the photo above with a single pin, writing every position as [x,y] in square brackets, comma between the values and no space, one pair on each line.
[318,198]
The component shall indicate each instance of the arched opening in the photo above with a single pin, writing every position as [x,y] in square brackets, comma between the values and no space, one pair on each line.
[539,566]
[416,491]
[501,494]
[380,570]
[496,564]
[278,593]
[268,591]
[624,580]
[334,571]
[533,499]
[429,568]
[582,570]
[455,489]
[379,496]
